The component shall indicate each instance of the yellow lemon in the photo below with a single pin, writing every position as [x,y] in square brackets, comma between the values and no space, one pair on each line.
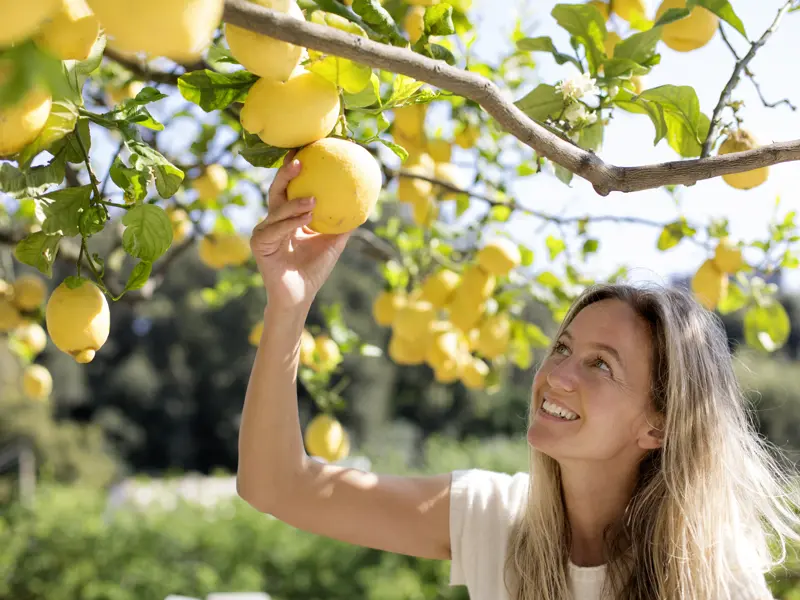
[476,282]
[386,305]
[116,94]
[709,285]
[440,150]
[21,19]
[211,183]
[9,315]
[612,39]
[603,7]
[326,438]
[447,173]
[37,382]
[414,23]
[474,374]
[78,320]
[71,33]
[467,136]
[328,354]
[181,225]
[499,257]
[447,371]
[30,292]
[407,351]
[438,287]
[728,257]
[22,122]
[739,141]
[630,10]
[32,336]
[254,338]
[261,54]
[689,33]
[424,212]
[494,336]
[344,178]
[211,252]
[409,123]
[465,310]
[412,189]
[413,320]
[450,345]
[180,30]
[220,250]
[291,113]
[308,346]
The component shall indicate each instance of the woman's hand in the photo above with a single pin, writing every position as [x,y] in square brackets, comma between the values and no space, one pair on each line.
[293,261]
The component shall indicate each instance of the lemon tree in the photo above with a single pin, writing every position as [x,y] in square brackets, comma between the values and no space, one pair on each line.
[157,127]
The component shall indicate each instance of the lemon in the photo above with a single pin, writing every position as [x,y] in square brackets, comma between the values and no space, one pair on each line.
[211,183]
[689,33]
[467,136]
[21,19]
[709,285]
[180,30]
[307,348]
[499,257]
[447,173]
[414,23]
[328,354]
[37,383]
[447,346]
[413,319]
[448,371]
[291,113]
[220,250]
[181,225]
[22,122]
[407,351]
[631,10]
[211,253]
[728,257]
[71,32]
[465,310]
[412,189]
[386,305]
[254,338]
[326,438]
[603,7]
[474,374]
[424,212]
[440,150]
[494,336]
[117,93]
[438,287]
[261,54]
[739,141]
[344,178]
[409,123]
[612,39]
[6,289]
[32,336]
[9,316]
[477,282]
[78,320]
[30,292]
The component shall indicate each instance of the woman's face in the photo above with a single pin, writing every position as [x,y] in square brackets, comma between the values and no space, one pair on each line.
[598,379]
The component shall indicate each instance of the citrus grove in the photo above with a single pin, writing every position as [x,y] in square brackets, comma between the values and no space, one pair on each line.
[408,165]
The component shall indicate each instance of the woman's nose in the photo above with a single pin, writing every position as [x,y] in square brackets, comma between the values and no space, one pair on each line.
[563,376]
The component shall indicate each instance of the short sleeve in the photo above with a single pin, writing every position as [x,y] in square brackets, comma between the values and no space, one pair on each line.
[483,506]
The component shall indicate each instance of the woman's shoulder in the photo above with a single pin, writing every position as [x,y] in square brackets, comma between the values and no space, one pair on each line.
[481,491]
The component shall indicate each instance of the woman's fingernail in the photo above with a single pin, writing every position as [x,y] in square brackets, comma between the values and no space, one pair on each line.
[295,163]
[309,201]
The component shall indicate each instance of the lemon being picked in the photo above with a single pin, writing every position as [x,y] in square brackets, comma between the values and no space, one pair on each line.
[326,438]
[71,33]
[180,30]
[211,183]
[78,320]
[709,284]
[22,122]
[37,383]
[499,257]
[21,19]
[30,292]
[739,141]
[262,55]
[291,113]
[344,178]
[689,33]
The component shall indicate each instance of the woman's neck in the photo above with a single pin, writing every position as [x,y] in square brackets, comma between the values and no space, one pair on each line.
[595,498]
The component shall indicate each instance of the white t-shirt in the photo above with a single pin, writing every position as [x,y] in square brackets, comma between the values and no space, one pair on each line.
[483,507]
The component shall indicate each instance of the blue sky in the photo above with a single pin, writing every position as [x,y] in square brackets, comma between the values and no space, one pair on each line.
[629,141]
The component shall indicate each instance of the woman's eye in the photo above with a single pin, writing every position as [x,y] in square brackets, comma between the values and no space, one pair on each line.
[601,363]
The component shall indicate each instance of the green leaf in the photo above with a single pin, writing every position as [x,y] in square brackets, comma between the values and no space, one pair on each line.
[62,120]
[93,220]
[132,182]
[639,47]
[536,336]
[541,103]
[139,275]
[74,144]
[133,111]
[403,87]
[591,137]
[526,255]
[259,154]
[366,97]
[214,91]
[671,15]
[168,177]
[377,17]
[63,210]
[27,66]
[635,104]
[766,327]
[329,19]
[549,280]
[733,300]
[39,251]
[670,237]
[33,181]
[462,204]
[500,213]
[564,175]
[82,68]
[396,148]
[439,20]
[351,76]
[545,44]
[73,282]
[439,52]
[687,127]
[623,67]
[684,140]
[724,10]
[555,246]
[586,25]
[148,232]
[590,246]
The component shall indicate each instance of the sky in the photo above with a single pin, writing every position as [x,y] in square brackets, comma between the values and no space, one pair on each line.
[629,142]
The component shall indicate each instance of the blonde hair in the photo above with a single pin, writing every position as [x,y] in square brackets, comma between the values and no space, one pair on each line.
[713,507]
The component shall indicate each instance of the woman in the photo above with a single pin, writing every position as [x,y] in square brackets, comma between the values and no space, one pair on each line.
[646,477]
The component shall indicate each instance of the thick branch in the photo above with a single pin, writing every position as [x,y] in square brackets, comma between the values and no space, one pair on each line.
[605,178]
[741,65]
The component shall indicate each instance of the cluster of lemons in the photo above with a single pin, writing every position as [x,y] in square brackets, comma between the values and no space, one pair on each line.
[77,322]
[710,282]
[445,322]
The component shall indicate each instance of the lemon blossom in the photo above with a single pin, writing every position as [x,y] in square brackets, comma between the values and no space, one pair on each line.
[577,86]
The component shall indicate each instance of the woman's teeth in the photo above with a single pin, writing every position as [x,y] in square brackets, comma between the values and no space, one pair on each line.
[557,411]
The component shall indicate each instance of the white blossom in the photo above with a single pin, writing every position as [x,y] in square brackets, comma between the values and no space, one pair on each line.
[577,86]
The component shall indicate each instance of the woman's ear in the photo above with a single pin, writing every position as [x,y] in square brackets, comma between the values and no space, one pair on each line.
[652,436]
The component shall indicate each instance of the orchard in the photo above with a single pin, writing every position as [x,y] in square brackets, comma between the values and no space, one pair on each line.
[400,133]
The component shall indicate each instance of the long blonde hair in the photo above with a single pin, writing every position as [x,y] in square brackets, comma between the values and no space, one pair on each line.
[713,507]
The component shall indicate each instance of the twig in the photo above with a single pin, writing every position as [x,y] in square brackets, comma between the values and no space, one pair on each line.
[604,177]
[741,65]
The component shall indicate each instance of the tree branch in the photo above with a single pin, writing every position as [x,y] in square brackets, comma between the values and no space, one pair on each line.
[604,177]
[741,65]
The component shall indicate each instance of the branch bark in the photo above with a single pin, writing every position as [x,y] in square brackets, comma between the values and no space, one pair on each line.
[605,178]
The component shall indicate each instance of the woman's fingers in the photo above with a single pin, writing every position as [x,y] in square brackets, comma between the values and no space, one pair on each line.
[290,209]
[277,190]
[269,238]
